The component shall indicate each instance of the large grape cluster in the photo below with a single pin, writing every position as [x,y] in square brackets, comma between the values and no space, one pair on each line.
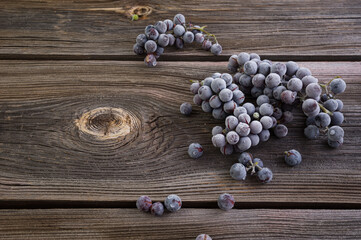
[173,33]
[277,88]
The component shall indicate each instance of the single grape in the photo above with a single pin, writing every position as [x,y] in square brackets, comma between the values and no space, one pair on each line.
[337,118]
[242,58]
[266,109]
[232,61]
[266,122]
[139,50]
[292,68]
[262,99]
[232,137]
[199,38]
[277,113]
[295,84]
[335,133]
[337,86]
[150,60]
[313,90]
[310,107]
[150,46]
[288,96]
[161,27]
[279,68]
[268,92]
[331,105]
[244,158]
[238,171]
[254,56]
[179,19]
[214,102]
[225,95]
[229,107]
[219,140]
[195,150]
[218,84]
[287,117]
[233,87]
[226,201]
[158,52]
[186,108]
[206,107]
[335,144]
[194,87]
[197,100]
[231,122]
[293,157]
[302,72]
[250,108]
[245,80]
[188,37]
[151,32]
[264,135]
[280,131]
[207,81]
[274,121]
[218,113]
[204,92]
[277,91]
[144,203]
[339,105]
[307,80]
[311,132]
[171,39]
[163,40]
[258,80]
[322,120]
[179,30]
[206,45]
[217,130]
[216,49]
[169,24]
[256,127]
[227,78]
[141,39]
[179,44]
[272,80]
[216,75]
[254,139]
[244,118]
[265,175]
[256,92]
[239,110]
[244,144]
[227,149]
[264,68]
[243,129]
[238,97]
[250,68]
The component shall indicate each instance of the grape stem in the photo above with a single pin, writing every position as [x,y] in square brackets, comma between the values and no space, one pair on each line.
[325,109]
[204,31]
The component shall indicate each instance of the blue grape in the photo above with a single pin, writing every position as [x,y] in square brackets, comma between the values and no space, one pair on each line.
[262,99]
[186,108]
[288,96]
[226,201]
[150,46]
[179,30]
[161,27]
[307,80]
[227,149]
[216,49]
[266,109]
[238,171]
[188,37]
[250,108]
[280,131]
[199,38]
[295,84]
[217,130]
[179,19]
[229,107]
[339,105]
[225,95]
[242,58]
[244,144]
[264,68]
[173,203]
[171,39]
[265,175]
[303,72]
[204,92]
[238,97]
[264,135]
[151,32]
[311,132]
[139,50]
[337,118]
[218,84]
[266,122]
[245,158]
[335,133]
[218,113]
[238,111]
[150,60]
[258,80]
[232,137]
[195,150]
[231,122]
[206,107]
[206,45]
[292,68]
[169,24]
[279,68]
[141,39]
[273,80]
[293,157]
[215,102]
[243,129]
[163,40]
[245,80]
[313,90]
[335,144]
[254,139]
[337,86]
[250,68]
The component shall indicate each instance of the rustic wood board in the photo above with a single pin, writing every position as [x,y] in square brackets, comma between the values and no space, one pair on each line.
[302,30]
[44,156]
[186,224]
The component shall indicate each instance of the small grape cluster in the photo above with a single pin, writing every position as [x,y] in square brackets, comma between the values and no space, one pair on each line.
[168,33]
[173,203]
[252,165]
[217,95]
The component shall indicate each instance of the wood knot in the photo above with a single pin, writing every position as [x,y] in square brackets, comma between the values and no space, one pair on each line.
[141,11]
[106,123]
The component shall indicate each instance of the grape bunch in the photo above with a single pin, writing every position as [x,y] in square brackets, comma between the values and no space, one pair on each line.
[246,164]
[173,33]
[279,87]
[217,95]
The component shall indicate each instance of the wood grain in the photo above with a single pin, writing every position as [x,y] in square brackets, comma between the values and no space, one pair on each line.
[301,30]
[185,224]
[44,156]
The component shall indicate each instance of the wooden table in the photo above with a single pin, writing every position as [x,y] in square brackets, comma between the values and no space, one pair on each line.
[86,128]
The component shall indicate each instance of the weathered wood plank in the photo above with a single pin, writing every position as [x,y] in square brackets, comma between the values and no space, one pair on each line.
[102,29]
[44,156]
[186,224]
